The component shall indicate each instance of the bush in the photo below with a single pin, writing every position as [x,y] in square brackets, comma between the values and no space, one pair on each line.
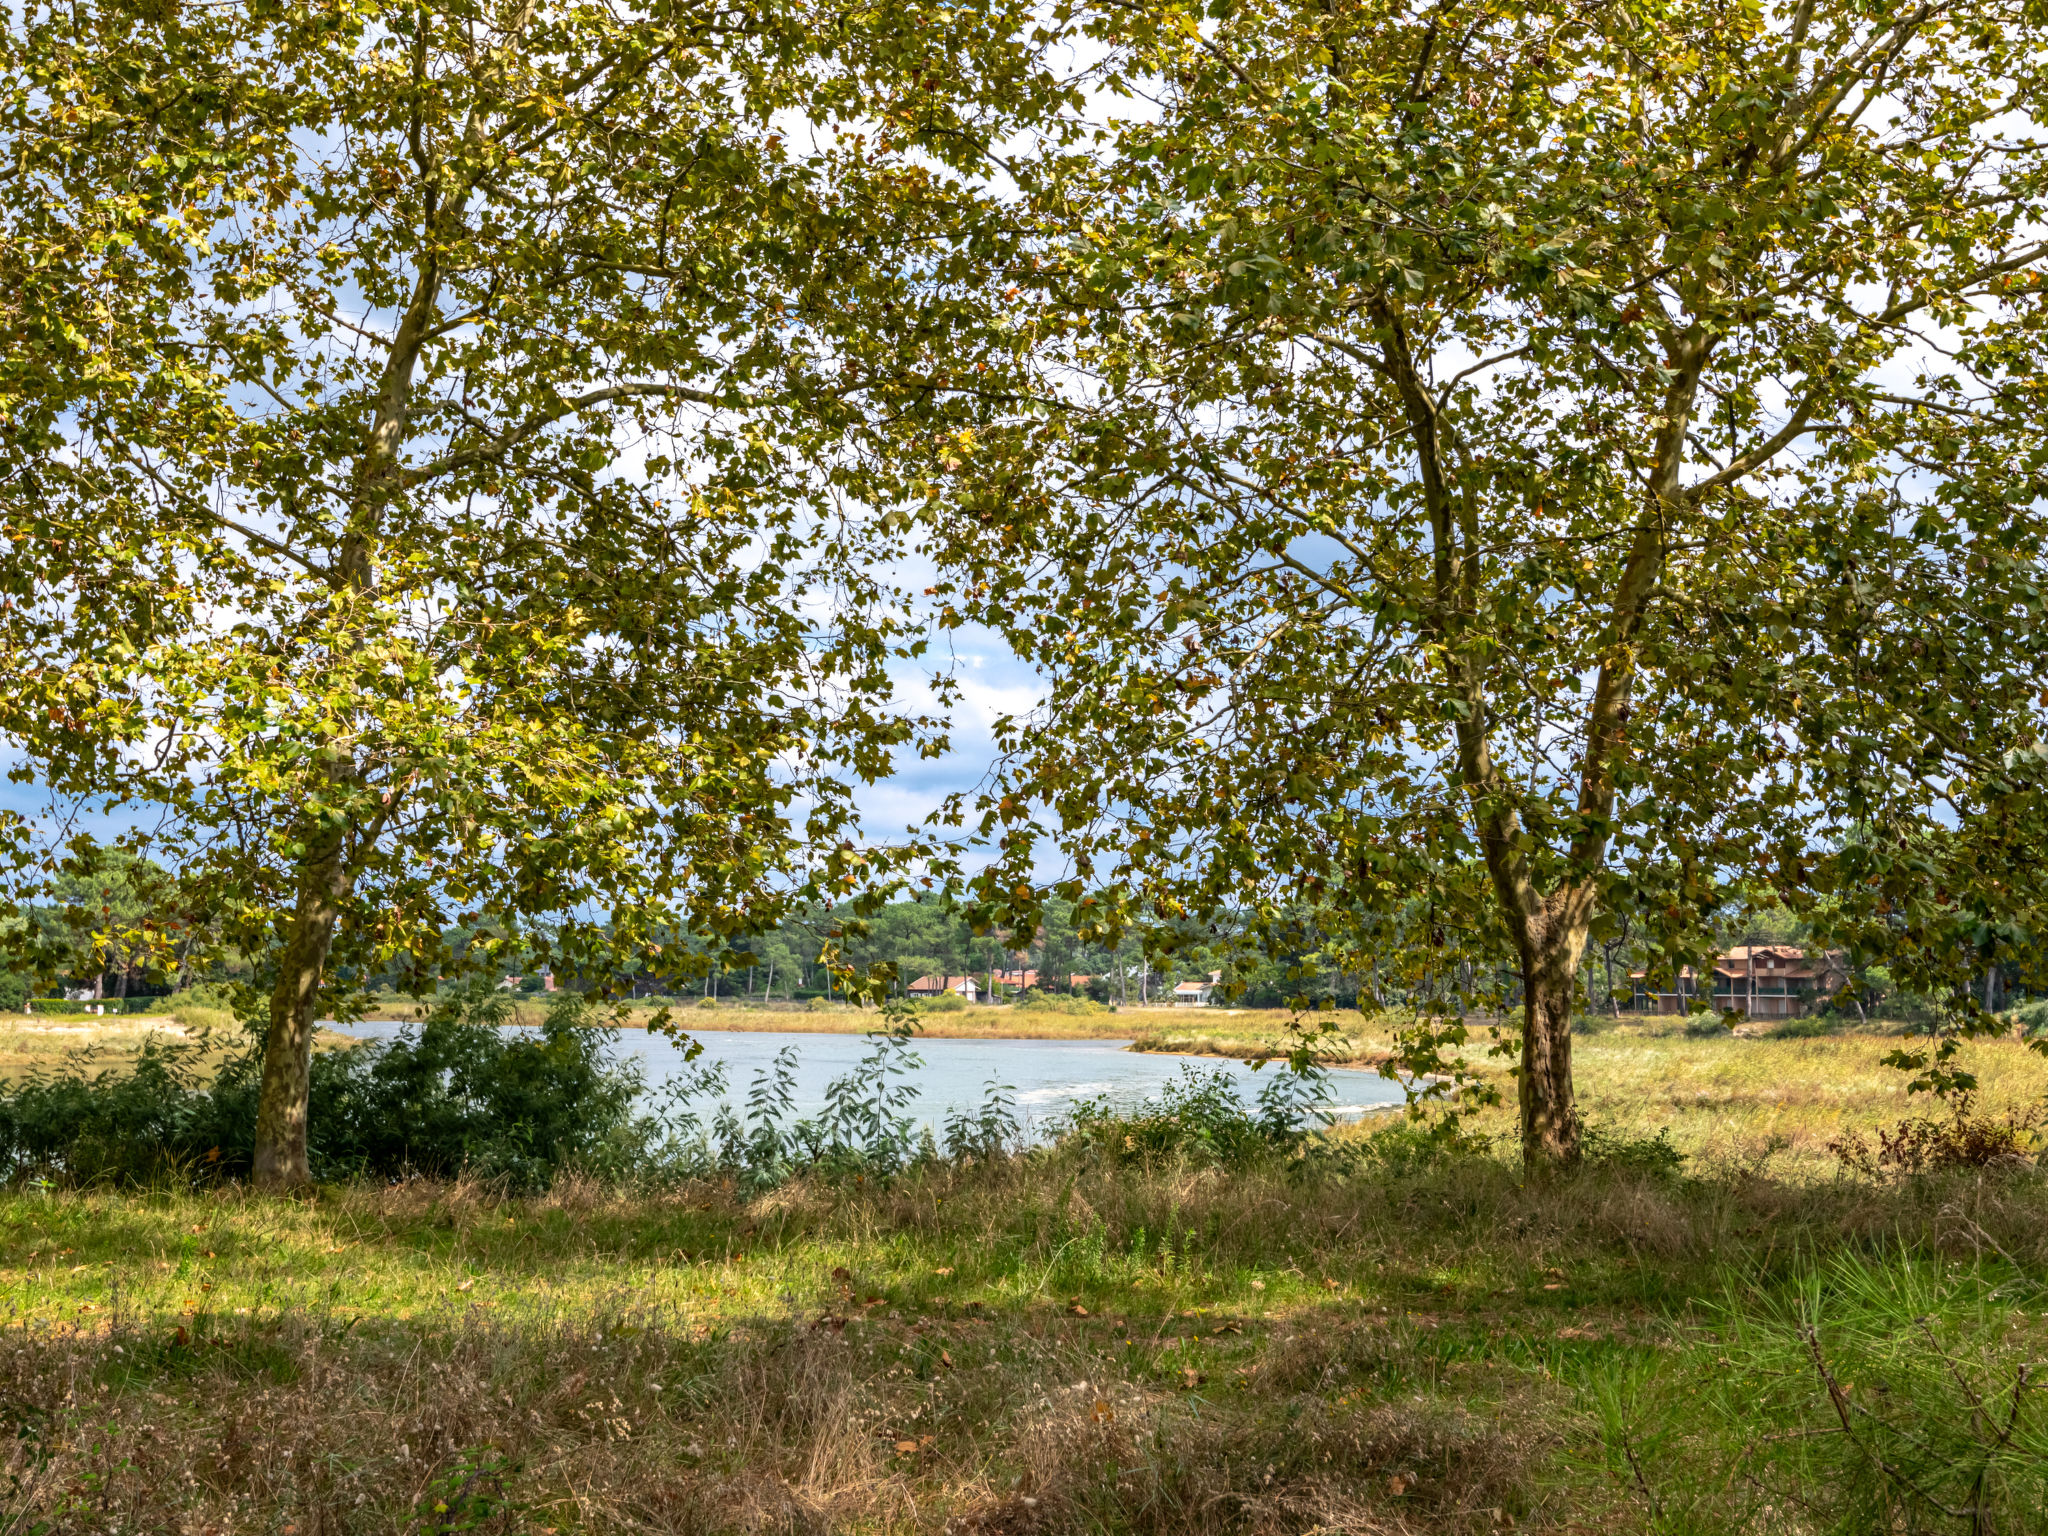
[1923,1144]
[460,1094]
[1874,1399]
[1203,1117]
[945,1002]
[1812,1027]
[457,1093]
[1604,1148]
[13,992]
[1052,1002]
[1706,1026]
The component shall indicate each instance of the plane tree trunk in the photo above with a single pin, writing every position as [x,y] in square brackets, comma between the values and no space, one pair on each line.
[282,1160]
[1549,1115]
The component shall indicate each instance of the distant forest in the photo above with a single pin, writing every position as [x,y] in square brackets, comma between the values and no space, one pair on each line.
[113,935]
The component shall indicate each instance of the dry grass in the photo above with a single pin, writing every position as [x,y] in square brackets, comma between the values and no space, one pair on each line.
[1056,1346]
[31,1043]
[1242,1032]
[1751,1098]
[1759,1101]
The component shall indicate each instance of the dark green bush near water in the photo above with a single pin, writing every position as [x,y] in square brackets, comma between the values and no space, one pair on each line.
[454,1094]
[458,1094]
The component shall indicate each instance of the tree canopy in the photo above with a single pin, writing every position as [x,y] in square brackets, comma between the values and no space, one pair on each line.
[449,490]
[1489,471]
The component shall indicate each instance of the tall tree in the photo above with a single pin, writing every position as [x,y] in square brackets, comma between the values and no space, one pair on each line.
[464,518]
[1492,469]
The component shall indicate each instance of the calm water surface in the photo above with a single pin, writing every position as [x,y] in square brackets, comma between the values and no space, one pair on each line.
[1049,1076]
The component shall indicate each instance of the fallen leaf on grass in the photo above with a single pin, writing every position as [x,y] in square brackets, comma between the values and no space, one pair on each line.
[841,1273]
[1191,1378]
[467,1284]
[1580,1333]
[945,1270]
[1103,1413]
[1231,1328]
[906,1447]
[945,1359]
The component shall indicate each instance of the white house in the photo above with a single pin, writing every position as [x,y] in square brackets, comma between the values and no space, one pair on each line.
[1196,994]
[937,986]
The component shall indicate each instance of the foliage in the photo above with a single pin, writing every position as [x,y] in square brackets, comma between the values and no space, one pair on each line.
[1868,1398]
[1813,1027]
[457,1094]
[1036,1001]
[459,463]
[989,1131]
[1488,475]
[1202,1117]
[1960,1139]
[1654,1155]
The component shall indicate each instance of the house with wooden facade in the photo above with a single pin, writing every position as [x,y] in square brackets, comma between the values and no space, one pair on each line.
[1761,981]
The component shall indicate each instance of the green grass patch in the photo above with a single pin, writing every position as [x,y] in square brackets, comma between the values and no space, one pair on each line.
[1076,1341]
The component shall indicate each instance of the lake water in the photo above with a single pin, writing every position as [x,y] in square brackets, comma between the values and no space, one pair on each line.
[1049,1076]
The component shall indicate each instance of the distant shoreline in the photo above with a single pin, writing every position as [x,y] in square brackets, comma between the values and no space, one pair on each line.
[1237,1034]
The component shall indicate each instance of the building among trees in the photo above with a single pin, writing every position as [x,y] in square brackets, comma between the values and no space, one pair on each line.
[1763,981]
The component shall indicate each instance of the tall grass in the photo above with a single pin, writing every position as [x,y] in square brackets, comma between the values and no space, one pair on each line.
[1077,1340]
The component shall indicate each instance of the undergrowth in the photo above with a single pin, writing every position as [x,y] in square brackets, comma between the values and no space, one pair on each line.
[1055,1343]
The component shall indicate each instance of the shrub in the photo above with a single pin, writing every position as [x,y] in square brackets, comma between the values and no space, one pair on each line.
[1874,1399]
[456,1093]
[1413,1146]
[1605,1148]
[1923,1144]
[1706,1026]
[1052,1002]
[1809,1028]
[459,1093]
[1203,1117]
[13,992]
[945,1002]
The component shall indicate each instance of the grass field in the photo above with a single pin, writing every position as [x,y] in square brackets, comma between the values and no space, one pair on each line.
[1056,1345]
[1379,1339]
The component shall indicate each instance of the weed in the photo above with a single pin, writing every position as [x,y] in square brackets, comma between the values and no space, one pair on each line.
[1924,1143]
